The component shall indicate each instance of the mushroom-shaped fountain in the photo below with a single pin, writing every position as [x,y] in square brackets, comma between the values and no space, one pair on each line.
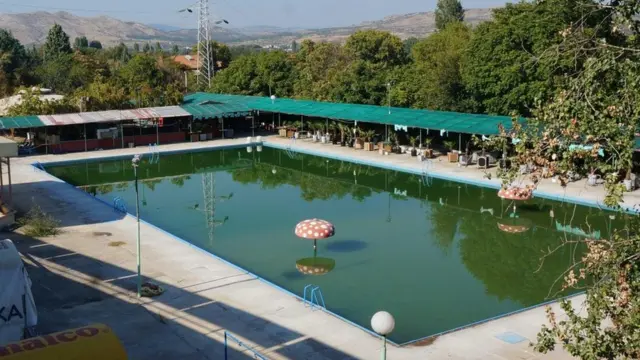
[315,229]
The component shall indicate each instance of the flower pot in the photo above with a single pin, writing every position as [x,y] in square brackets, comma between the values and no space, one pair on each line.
[314,138]
[334,140]
[290,133]
[453,156]
[388,148]
[323,139]
[282,132]
[628,184]
[343,143]
[420,157]
[368,146]
[414,152]
[296,135]
[358,143]
[592,180]
[381,150]
[483,162]
[428,153]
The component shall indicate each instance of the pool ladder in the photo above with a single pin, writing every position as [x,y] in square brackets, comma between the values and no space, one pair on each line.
[427,180]
[154,153]
[315,298]
[119,204]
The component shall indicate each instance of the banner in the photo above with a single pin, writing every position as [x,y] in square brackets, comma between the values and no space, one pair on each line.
[95,342]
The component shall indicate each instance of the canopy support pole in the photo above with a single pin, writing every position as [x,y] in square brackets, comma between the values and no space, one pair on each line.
[10,189]
[191,129]
[460,142]
[420,138]
[386,132]
[253,127]
[46,141]
[1,182]
[273,121]
[279,120]
[85,136]
[122,133]
[302,120]
[157,132]
[222,119]
[327,129]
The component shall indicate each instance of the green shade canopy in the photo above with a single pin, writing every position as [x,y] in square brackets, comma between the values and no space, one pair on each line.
[20,122]
[416,118]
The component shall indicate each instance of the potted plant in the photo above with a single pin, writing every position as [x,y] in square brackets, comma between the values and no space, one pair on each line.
[343,130]
[368,135]
[358,140]
[428,152]
[452,155]
[334,133]
[629,181]
[349,137]
[413,141]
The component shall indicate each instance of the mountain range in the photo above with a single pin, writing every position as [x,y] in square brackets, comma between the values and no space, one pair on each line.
[32,28]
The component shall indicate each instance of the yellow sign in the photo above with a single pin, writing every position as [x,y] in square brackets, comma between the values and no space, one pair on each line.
[95,342]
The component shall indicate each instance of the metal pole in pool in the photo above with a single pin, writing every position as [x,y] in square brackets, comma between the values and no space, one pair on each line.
[135,162]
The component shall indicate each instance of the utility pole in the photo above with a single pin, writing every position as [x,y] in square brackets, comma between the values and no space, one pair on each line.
[205,70]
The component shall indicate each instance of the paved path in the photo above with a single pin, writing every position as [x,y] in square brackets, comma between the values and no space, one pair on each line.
[87,274]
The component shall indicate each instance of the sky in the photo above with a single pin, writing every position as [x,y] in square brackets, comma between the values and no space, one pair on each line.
[240,13]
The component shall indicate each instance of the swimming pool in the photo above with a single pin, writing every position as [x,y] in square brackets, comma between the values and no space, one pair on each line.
[438,255]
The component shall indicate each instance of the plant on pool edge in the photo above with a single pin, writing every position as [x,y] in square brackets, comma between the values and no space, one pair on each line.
[37,223]
[590,124]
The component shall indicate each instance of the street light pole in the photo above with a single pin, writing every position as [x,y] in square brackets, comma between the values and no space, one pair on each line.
[383,323]
[136,162]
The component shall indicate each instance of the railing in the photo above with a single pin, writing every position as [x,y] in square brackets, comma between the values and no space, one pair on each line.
[228,336]
[426,178]
[315,298]
[119,205]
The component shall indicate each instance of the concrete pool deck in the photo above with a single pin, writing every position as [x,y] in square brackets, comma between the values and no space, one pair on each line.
[86,274]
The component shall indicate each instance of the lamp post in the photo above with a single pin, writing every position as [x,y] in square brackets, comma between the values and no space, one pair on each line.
[135,162]
[383,323]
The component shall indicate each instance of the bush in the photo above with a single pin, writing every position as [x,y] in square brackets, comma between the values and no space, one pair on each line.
[37,223]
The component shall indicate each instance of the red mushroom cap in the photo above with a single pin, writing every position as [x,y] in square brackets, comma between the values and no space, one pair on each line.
[315,229]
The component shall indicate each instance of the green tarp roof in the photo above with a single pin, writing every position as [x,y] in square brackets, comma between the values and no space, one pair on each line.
[20,122]
[426,119]
[206,110]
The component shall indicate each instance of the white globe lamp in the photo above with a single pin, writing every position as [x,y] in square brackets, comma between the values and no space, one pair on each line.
[273,98]
[383,323]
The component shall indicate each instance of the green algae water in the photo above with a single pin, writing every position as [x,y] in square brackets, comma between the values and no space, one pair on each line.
[438,255]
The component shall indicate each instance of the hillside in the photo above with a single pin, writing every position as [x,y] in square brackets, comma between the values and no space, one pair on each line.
[32,28]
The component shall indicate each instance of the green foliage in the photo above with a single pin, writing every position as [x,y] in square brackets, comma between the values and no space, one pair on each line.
[511,62]
[175,50]
[408,45]
[147,48]
[318,69]
[37,223]
[437,83]
[447,12]
[13,59]
[31,104]
[256,74]
[136,47]
[377,47]
[80,43]
[57,43]
[95,44]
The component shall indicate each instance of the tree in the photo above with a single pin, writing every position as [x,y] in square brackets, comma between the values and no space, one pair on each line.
[146,48]
[294,46]
[57,43]
[448,11]
[508,65]
[408,45]
[95,44]
[136,47]
[175,50]
[147,83]
[317,69]
[80,43]
[589,125]
[438,81]
[158,47]
[32,104]
[13,59]
[377,47]
[103,94]
[257,74]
